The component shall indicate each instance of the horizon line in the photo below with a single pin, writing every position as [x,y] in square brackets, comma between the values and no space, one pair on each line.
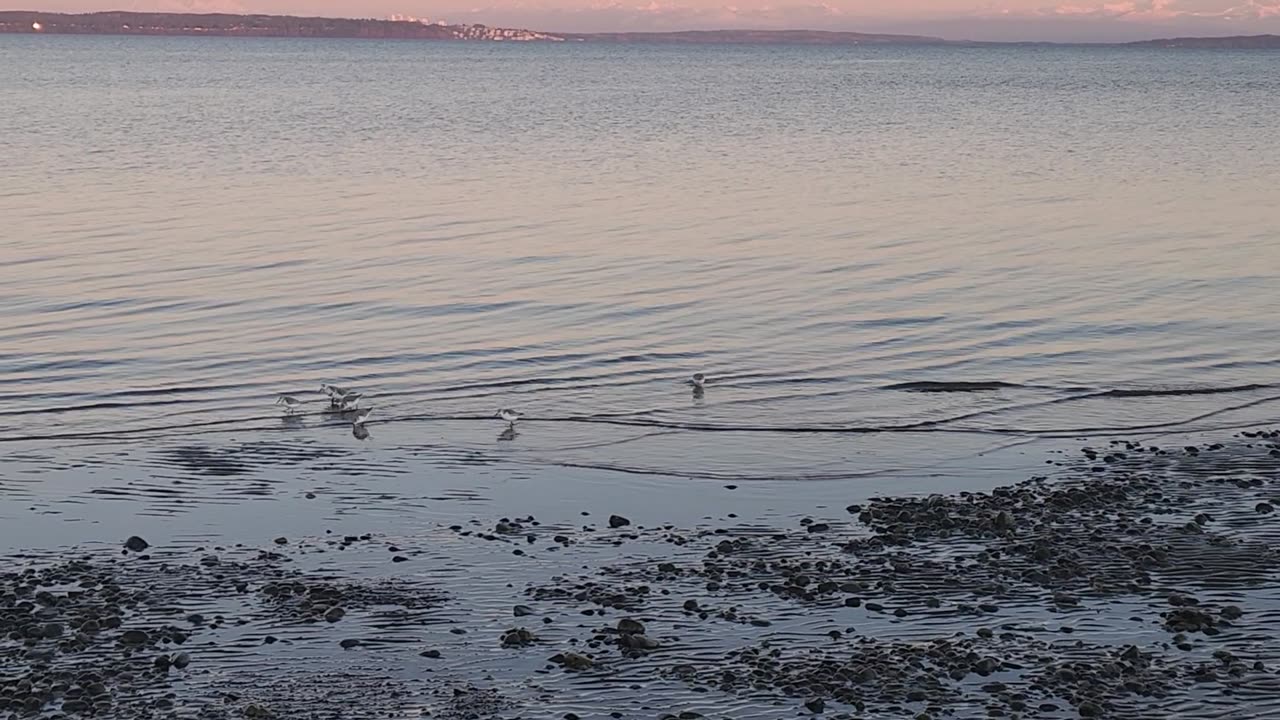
[897,37]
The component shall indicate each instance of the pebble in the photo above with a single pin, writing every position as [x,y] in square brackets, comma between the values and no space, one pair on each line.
[134,637]
[639,642]
[617,521]
[136,544]
[627,626]
[573,661]
[518,637]
[349,643]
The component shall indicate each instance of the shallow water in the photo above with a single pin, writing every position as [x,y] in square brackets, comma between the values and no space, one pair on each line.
[905,270]
[193,225]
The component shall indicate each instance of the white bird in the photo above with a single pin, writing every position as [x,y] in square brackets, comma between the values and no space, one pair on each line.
[511,416]
[698,380]
[290,403]
[361,418]
[350,401]
[334,392]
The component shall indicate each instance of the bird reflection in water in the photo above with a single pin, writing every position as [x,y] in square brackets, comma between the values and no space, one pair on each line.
[509,434]
[359,432]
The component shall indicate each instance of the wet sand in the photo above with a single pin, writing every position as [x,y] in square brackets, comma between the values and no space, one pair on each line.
[1130,581]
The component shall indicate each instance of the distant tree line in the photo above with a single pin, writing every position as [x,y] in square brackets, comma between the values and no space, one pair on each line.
[130,23]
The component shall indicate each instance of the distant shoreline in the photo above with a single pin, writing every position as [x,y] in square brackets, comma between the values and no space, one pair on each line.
[233,25]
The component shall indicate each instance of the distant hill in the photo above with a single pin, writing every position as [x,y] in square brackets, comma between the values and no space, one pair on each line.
[1250,42]
[132,23]
[789,37]
[222,24]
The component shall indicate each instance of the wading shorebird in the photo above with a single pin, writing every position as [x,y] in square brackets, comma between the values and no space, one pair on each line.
[509,415]
[699,384]
[334,392]
[290,403]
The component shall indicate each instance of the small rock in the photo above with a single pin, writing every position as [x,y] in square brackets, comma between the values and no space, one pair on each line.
[136,544]
[1264,508]
[432,654]
[639,642]
[815,706]
[518,637]
[181,660]
[334,614]
[573,661]
[521,610]
[627,626]
[349,643]
[134,637]
[617,521]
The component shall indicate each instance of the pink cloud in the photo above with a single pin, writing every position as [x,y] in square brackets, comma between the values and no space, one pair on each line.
[1147,10]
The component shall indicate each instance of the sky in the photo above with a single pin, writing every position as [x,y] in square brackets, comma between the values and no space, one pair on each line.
[1054,20]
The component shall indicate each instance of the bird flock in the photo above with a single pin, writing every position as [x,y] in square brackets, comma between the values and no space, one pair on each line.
[345,401]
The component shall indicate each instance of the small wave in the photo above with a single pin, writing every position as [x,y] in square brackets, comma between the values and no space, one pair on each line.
[956,386]
[1163,392]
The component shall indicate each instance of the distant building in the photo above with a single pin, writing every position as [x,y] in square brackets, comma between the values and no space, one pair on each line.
[411,19]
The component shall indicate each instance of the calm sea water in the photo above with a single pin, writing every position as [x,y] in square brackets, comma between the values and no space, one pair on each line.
[194,225]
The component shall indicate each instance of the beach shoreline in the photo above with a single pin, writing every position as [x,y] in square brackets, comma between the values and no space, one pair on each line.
[1130,580]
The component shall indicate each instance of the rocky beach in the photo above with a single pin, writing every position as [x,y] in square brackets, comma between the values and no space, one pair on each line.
[1131,580]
